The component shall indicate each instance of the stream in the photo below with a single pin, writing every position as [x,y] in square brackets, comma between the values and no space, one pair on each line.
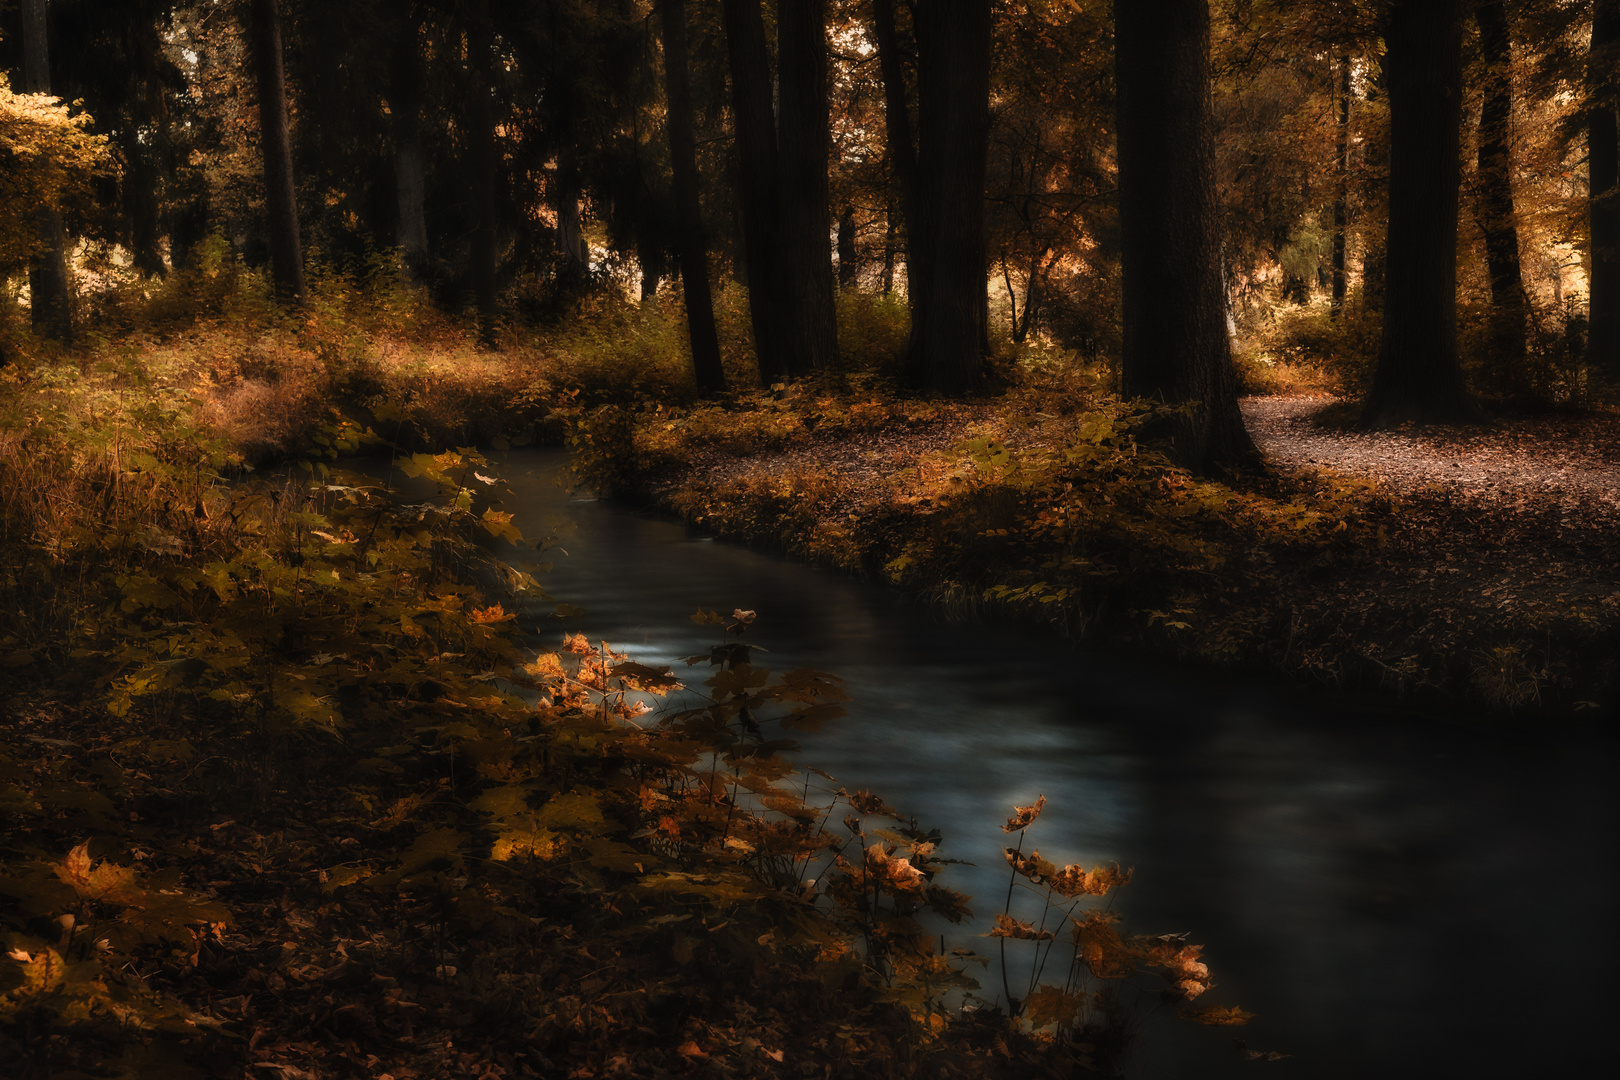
[1389,896]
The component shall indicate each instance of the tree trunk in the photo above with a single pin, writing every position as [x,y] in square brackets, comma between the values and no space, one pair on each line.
[950,308]
[1419,377]
[1603,144]
[846,249]
[1176,348]
[902,146]
[49,285]
[571,245]
[410,185]
[1496,199]
[803,145]
[751,96]
[694,255]
[280,200]
[1341,187]
[650,254]
[481,174]
[890,242]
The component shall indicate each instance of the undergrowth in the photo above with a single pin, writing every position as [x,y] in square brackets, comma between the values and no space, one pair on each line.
[288,786]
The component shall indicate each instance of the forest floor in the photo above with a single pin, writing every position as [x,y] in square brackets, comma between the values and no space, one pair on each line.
[1494,581]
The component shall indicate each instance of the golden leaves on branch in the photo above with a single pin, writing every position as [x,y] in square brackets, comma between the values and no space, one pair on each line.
[1024,816]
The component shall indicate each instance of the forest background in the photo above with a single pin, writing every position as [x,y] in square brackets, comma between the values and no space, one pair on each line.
[1050,244]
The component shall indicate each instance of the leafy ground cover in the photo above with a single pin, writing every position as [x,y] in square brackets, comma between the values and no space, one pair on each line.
[1469,570]
[286,788]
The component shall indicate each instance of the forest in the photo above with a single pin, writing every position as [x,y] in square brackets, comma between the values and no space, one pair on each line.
[474,472]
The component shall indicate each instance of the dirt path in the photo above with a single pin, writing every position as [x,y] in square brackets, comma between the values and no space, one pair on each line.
[1538,464]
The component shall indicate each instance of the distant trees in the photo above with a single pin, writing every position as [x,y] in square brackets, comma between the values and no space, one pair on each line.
[1176,348]
[1496,194]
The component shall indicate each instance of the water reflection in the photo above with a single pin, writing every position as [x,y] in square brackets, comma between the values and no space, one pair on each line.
[1391,898]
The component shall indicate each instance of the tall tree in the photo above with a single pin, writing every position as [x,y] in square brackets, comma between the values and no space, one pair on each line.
[802,149]
[751,95]
[942,181]
[1496,196]
[405,115]
[1176,348]
[49,286]
[1603,170]
[480,150]
[782,160]
[1341,184]
[690,243]
[1419,377]
[280,200]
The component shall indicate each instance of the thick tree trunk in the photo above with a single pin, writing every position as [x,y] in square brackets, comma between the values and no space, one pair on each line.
[803,145]
[50,289]
[694,255]
[481,176]
[1603,144]
[751,96]
[1496,198]
[950,310]
[1419,377]
[280,200]
[1176,348]
[410,184]
[1341,186]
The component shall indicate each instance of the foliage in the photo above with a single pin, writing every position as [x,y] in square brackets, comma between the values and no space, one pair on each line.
[48,157]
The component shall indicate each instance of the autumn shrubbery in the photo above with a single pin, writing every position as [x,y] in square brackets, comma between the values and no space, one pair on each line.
[278,768]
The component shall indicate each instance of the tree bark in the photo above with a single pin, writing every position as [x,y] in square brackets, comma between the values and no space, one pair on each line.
[1496,199]
[1603,164]
[50,288]
[693,250]
[410,185]
[1341,186]
[902,145]
[280,199]
[891,241]
[803,146]
[751,96]
[1176,348]
[846,249]
[1419,377]
[950,309]
[481,173]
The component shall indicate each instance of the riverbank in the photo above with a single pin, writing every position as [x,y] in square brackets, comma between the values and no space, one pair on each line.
[1462,570]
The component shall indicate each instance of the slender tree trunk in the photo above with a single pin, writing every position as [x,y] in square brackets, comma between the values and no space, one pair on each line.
[1176,348]
[650,254]
[1603,144]
[751,96]
[481,174]
[846,249]
[280,199]
[1419,377]
[902,145]
[570,225]
[950,308]
[410,185]
[803,146]
[50,288]
[1341,186]
[694,255]
[1496,199]
[891,241]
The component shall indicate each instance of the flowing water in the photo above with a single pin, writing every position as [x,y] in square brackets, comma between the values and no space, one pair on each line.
[1391,897]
